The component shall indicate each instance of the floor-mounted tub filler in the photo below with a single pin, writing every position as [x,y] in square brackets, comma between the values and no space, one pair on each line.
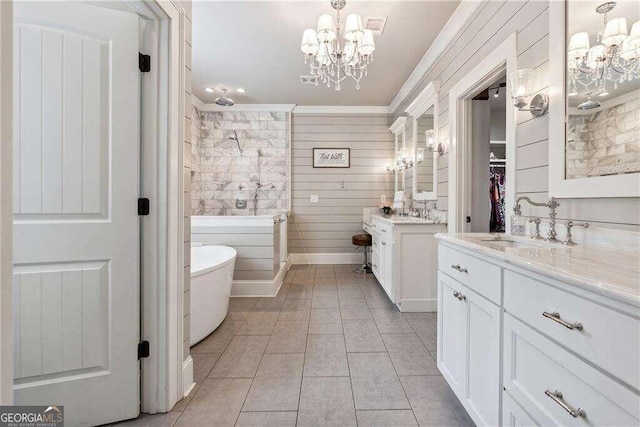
[211,278]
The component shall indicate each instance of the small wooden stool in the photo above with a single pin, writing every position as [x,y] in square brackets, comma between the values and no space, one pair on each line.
[363,240]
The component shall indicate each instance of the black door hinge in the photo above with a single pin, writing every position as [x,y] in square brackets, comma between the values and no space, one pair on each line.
[144,62]
[143,349]
[143,206]
[468,219]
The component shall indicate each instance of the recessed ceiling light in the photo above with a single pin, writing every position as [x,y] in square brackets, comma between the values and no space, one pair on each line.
[209,89]
[241,90]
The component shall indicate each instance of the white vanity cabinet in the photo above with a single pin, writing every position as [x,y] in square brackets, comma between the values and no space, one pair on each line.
[469,327]
[404,260]
[521,346]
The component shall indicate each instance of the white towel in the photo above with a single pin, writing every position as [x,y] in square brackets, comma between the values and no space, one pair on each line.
[398,199]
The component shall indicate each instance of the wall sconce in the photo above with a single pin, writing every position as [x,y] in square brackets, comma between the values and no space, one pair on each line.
[431,143]
[403,161]
[521,87]
[419,155]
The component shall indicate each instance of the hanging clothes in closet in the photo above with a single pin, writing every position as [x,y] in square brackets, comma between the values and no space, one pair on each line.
[496,198]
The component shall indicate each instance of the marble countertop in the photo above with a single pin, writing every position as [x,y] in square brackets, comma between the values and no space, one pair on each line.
[609,272]
[394,219]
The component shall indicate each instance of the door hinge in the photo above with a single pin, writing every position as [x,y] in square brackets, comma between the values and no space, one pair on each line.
[143,349]
[143,206]
[144,62]
[468,219]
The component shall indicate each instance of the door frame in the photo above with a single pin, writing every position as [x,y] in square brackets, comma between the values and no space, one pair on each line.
[503,59]
[161,268]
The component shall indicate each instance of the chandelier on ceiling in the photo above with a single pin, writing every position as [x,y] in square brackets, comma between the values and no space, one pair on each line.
[613,60]
[335,53]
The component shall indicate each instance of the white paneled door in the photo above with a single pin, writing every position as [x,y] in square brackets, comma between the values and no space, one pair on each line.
[76,253]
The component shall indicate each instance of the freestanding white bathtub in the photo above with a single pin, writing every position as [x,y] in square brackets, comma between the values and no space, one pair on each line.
[211,278]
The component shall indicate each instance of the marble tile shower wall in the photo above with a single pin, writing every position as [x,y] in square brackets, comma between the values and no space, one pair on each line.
[604,143]
[222,173]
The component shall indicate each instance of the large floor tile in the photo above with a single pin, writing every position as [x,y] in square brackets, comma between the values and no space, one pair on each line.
[281,365]
[239,308]
[362,336]
[202,365]
[241,358]
[375,383]
[390,321]
[409,355]
[353,313]
[434,403]
[273,394]
[218,340]
[290,327]
[300,291]
[358,302]
[287,343]
[326,356]
[259,323]
[326,402]
[325,321]
[202,419]
[156,420]
[325,302]
[395,418]
[349,291]
[267,419]
[222,399]
[269,304]
[427,330]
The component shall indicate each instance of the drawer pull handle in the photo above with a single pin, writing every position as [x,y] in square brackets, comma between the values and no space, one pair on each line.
[556,396]
[384,244]
[555,316]
[459,296]
[457,267]
[384,230]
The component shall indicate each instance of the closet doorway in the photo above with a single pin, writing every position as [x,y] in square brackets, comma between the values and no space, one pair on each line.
[488,158]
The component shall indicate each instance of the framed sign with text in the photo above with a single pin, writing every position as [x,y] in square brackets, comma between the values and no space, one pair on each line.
[331,158]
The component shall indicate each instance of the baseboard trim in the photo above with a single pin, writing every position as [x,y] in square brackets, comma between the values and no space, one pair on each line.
[187,376]
[419,305]
[327,258]
[260,288]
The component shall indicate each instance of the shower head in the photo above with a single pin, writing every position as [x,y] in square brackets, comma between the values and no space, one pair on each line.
[224,101]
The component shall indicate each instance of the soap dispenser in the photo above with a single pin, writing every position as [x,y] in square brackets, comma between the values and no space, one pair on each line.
[518,224]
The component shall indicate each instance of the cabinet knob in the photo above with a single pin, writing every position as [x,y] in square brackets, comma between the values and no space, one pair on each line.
[384,244]
[459,295]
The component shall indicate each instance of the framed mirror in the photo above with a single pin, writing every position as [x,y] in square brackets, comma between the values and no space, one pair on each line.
[399,131]
[425,145]
[594,114]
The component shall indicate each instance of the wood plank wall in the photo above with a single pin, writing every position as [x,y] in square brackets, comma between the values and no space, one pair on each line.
[327,226]
[491,24]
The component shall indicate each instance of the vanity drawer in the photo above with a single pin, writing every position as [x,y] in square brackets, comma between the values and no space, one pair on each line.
[367,228]
[608,339]
[385,230]
[477,274]
[536,369]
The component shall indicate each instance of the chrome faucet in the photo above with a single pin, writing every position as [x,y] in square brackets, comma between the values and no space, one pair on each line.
[569,238]
[552,204]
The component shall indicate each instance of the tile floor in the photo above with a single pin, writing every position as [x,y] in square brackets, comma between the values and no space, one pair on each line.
[329,350]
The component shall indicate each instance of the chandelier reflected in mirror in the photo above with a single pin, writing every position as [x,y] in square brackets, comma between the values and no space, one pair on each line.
[335,53]
[614,59]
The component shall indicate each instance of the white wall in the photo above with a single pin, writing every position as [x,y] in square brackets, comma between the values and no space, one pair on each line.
[491,24]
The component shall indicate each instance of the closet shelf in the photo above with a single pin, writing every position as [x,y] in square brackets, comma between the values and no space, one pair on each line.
[497,160]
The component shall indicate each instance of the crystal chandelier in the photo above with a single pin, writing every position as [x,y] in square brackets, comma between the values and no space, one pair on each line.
[334,53]
[613,60]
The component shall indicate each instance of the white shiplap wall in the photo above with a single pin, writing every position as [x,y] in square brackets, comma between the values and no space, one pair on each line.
[491,24]
[327,226]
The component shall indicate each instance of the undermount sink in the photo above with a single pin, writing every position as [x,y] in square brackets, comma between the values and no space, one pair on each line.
[511,243]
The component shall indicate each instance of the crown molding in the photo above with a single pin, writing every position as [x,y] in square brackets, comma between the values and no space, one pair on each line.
[341,109]
[242,107]
[456,22]
[399,125]
[426,98]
